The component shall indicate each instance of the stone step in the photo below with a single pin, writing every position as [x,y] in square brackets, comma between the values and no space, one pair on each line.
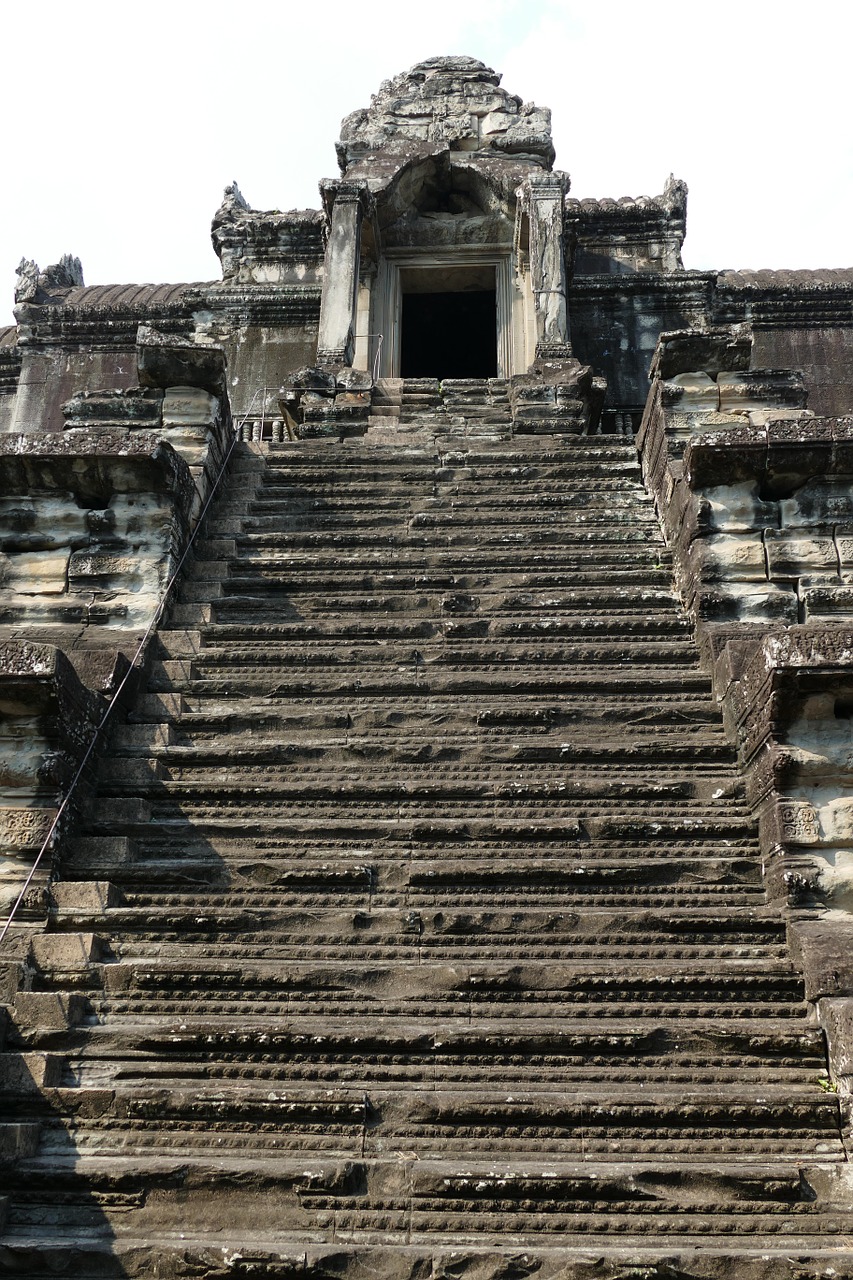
[325,514]
[558,1126]
[282,886]
[359,457]
[409,719]
[250,870]
[436,1014]
[427,532]
[484,991]
[607,937]
[472,1048]
[588,552]
[305,577]
[176,678]
[409,1061]
[430,626]
[412,467]
[239,873]
[282,598]
[369,888]
[400,1200]
[367,749]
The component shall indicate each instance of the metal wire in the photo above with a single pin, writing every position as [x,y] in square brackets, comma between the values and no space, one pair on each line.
[158,613]
[377,358]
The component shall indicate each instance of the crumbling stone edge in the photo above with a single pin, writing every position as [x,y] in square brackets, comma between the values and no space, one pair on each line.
[755,497]
[100,516]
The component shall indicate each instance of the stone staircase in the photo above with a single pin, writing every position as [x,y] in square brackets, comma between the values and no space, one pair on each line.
[461,406]
[437,942]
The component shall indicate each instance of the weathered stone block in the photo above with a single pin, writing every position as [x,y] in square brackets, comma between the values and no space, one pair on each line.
[64,951]
[817,503]
[532,393]
[725,457]
[87,896]
[747,603]
[34,573]
[824,950]
[760,388]
[51,1010]
[827,602]
[790,821]
[42,521]
[836,821]
[737,508]
[167,361]
[352,400]
[836,1018]
[358,380]
[691,393]
[18,1141]
[29,1072]
[713,350]
[728,557]
[541,412]
[844,545]
[189,407]
[789,556]
[107,410]
[100,854]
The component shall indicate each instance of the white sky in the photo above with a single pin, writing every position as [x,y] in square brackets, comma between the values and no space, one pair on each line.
[123,122]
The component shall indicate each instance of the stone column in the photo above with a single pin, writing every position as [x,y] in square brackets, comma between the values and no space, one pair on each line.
[345,203]
[545,194]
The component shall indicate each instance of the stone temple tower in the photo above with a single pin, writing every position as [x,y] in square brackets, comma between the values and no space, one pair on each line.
[426,686]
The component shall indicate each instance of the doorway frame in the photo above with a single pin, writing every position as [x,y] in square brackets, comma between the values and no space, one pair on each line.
[388,305]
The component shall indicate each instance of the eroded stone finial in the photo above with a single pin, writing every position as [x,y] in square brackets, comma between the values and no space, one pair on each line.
[233,201]
[33,285]
[455,103]
[27,283]
[67,273]
[675,195]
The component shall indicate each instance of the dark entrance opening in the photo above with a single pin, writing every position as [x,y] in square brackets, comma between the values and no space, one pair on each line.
[449,322]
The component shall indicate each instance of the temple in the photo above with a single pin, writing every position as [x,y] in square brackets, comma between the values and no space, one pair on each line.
[426,705]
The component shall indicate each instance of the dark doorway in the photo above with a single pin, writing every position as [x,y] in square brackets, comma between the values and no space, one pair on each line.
[449,335]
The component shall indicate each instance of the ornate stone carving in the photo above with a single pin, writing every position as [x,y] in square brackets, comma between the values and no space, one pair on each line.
[798,822]
[38,286]
[24,830]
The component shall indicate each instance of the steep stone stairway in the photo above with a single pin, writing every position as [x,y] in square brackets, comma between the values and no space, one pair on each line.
[437,941]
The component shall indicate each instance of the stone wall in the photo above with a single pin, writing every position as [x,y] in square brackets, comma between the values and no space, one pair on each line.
[94,520]
[754,494]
